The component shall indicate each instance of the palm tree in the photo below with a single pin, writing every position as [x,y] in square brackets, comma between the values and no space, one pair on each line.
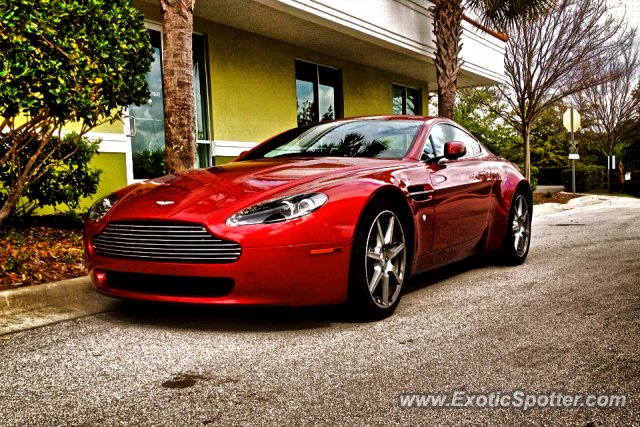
[447,20]
[178,85]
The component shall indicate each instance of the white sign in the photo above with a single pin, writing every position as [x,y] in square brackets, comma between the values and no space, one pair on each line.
[574,156]
[566,119]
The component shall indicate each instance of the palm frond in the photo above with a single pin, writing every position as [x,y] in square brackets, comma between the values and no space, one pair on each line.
[501,15]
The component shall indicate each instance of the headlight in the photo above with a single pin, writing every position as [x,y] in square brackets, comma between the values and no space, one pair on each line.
[101,207]
[279,210]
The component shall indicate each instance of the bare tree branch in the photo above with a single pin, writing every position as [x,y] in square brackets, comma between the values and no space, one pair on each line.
[552,57]
[609,107]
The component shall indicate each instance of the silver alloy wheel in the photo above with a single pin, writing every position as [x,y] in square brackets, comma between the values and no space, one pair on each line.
[385,259]
[521,227]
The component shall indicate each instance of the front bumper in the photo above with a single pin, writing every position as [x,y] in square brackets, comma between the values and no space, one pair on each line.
[288,275]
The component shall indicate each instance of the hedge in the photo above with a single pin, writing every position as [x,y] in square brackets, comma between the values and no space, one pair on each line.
[550,176]
[587,178]
[534,176]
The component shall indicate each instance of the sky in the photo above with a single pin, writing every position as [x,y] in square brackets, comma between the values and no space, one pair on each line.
[632,8]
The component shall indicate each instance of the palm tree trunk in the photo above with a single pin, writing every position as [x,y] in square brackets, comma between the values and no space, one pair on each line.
[178,85]
[447,27]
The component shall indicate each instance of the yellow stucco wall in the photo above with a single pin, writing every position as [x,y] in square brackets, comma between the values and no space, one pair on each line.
[113,177]
[252,82]
[115,127]
[253,90]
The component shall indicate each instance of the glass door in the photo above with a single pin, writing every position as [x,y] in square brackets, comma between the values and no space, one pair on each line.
[147,121]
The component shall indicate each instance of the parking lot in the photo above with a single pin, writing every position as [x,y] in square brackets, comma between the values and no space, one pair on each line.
[568,319]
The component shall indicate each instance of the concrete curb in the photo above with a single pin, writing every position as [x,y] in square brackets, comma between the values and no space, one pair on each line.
[31,297]
[40,305]
[550,208]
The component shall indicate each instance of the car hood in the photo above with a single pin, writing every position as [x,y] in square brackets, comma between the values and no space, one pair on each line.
[197,194]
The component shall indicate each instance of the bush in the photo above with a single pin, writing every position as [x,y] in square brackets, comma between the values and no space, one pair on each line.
[62,182]
[550,176]
[587,178]
[632,188]
[149,163]
[61,63]
[534,176]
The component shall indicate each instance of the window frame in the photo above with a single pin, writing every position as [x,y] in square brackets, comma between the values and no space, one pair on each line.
[338,97]
[469,135]
[205,92]
[404,98]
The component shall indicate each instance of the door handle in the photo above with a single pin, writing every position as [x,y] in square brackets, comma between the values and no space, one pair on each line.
[132,125]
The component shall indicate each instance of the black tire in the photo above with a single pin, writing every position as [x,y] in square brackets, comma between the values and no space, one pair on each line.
[364,268]
[518,228]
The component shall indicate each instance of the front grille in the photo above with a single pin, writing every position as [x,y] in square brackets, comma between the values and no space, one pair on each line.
[170,285]
[166,242]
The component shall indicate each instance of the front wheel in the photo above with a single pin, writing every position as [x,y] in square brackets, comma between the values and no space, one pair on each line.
[378,264]
[517,239]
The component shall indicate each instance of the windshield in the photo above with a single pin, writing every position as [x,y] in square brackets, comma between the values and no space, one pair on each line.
[389,139]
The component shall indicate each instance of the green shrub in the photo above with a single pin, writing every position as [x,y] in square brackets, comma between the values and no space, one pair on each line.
[632,188]
[149,163]
[66,175]
[534,176]
[550,176]
[587,178]
[62,63]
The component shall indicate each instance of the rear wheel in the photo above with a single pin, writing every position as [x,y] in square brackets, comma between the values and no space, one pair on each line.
[517,239]
[378,264]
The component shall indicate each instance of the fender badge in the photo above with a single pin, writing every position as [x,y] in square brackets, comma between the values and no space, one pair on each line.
[168,202]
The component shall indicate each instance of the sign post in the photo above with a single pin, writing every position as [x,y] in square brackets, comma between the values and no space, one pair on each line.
[571,121]
[611,166]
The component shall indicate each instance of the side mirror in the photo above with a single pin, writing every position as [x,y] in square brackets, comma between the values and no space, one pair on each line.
[454,150]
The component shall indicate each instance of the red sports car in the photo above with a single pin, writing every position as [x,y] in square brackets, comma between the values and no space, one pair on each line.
[334,212]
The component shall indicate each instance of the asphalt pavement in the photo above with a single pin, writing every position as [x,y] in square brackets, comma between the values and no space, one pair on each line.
[568,319]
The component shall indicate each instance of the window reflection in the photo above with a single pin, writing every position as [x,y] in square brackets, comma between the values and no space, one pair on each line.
[406,100]
[363,138]
[317,93]
[148,144]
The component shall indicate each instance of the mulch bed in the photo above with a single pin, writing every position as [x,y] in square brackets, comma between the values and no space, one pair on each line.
[539,198]
[40,250]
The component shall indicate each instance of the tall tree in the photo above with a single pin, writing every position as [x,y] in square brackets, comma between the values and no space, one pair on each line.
[178,85]
[552,57]
[447,28]
[611,108]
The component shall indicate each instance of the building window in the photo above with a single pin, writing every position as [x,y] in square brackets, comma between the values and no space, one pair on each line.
[318,93]
[406,100]
[203,147]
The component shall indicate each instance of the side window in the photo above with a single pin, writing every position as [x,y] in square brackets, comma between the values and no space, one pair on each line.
[462,136]
[440,135]
[475,145]
[427,150]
